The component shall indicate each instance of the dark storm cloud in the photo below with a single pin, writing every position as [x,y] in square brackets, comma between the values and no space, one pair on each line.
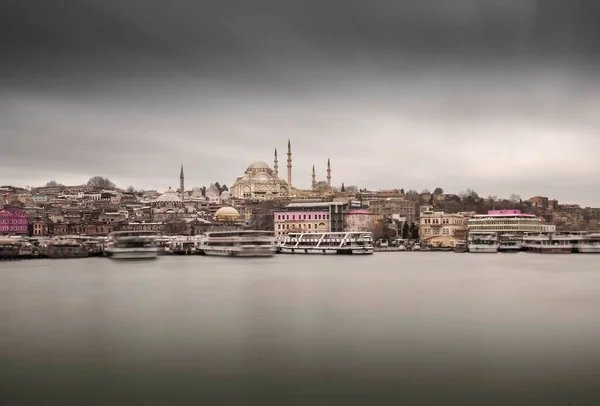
[426,93]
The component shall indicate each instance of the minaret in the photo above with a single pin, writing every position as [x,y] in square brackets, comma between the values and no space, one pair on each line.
[314,179]
[275,165]
[328,173]
[181,184]
[289,166]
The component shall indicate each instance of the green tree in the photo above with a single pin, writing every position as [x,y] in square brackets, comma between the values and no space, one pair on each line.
[406,231]
[343,189]
[414,231]
[53,183]
[438,191]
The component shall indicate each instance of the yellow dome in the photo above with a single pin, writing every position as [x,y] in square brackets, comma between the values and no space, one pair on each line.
[227,214]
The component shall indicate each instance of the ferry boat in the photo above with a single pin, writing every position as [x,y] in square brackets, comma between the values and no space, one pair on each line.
[63,249]
[485,243]
[132,245]
[9,249]
[355,243]
[240,243]
[510,243]
[461,247]
[589,244]
[547,244]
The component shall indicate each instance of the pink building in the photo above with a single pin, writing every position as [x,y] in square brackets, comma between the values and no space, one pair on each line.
[13,220]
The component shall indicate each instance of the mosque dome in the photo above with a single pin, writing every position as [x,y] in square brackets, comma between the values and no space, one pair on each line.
[258,165]
[169,196]
[227,214]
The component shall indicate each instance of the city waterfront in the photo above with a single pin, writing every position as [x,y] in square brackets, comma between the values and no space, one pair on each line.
[432,328]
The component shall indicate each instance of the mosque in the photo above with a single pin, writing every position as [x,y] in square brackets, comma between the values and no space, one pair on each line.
[260,182]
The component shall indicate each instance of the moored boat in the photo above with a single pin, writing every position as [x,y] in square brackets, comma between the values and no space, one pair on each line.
[131,245]
[547,244]
[63,249]
[483,242]
[240,243]
[353,243]
[510,243]
[589,244]
[461,247]
[9,248]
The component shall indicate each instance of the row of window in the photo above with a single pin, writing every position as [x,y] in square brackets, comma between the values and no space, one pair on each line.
[5,228]
[304,225]
[303,217]
[445,231]
[443,221]
[13,221]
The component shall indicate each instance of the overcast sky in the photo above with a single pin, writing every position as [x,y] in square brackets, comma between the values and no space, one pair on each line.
[498,96]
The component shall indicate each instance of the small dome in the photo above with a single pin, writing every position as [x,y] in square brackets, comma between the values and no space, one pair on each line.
[227,214]
[258,165]
[169,196]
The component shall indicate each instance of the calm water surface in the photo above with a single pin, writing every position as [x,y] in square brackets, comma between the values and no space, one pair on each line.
[392,328]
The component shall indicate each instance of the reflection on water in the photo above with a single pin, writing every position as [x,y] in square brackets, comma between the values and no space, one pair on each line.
[420,328]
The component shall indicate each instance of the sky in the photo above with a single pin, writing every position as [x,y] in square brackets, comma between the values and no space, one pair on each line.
[497,96]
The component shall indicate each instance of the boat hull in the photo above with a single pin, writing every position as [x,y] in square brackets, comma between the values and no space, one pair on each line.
[588,249]
[551,250]
[241,253]
[132,254]
[483,249]
[326,251]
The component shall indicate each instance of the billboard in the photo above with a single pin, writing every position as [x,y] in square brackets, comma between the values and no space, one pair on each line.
[355,204]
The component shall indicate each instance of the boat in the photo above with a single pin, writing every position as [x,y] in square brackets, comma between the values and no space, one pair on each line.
[63,248]
[547,244]
[461,247]
[590,244]
[353,243]
[510,243]
[26,250]
[482,242]
[132,245]
[240,243]
[9,249]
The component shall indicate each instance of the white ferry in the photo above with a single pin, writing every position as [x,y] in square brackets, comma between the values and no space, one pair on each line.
[510,243]
[132,245]
[481,242]
[589,244]
[547,244]
[241,243]
[327,243]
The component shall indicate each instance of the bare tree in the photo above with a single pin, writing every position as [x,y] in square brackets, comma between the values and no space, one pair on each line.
[100,182]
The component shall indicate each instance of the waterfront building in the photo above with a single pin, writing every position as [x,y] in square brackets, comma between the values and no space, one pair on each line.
[309,217]
[13,220]
[260,182]
[440,228]
[505,222]
[357,220]
[393,206]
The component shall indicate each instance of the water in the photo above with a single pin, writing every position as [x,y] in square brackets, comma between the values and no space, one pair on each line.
[391,328]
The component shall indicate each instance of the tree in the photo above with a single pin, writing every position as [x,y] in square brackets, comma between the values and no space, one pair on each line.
[203,191]
[406,231]
[383,231]
[351,189]
[53,183]
[130,189]
[514,198]
[343,189]
[401,191]
[412,192]
[425,192]
[438,191]
[100,182]
[414,231]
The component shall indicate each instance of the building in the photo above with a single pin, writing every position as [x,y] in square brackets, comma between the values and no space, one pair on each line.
[441,229]
[260,182]
[13,220]
[505,222]
[359,220]
[393,206]
[309,218]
